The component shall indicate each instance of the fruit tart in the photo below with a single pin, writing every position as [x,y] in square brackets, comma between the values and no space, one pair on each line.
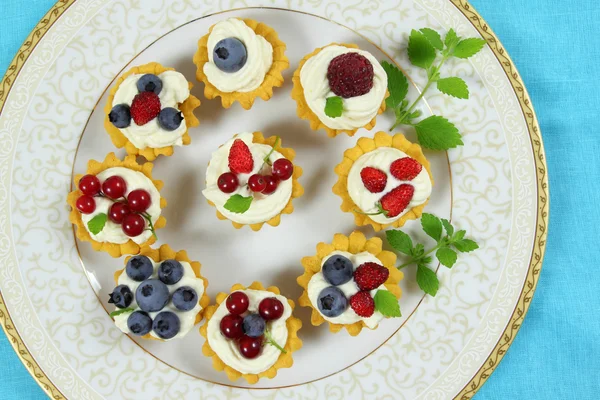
[240,60]
[117,205]
[251,332]
[340,88]
[159,295]
[150,110]
[252,180]
[384,181]
[351,283]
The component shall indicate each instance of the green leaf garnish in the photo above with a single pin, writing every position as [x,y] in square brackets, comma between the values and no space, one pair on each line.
[468,47]
[446,256]
[427,280]
[465,245]
[387,304]
[400,241]
[434,38]
[451,39]
[448,227]
[96,224]
[120,311]
[420,50]
[238,204]
[397,85]
[437,133]
[432,226]
[454,87]
[334,106]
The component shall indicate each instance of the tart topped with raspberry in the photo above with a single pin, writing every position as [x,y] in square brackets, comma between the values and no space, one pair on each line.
[252,180]
[150,110]
[251,332]
[384,181]
[340,88]
[117,205]
[239,60]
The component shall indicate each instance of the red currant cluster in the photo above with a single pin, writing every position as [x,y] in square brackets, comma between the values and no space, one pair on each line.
[249,330]
[281,170]
[126,211]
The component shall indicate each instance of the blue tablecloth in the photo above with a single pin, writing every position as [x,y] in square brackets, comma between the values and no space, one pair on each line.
[556,47]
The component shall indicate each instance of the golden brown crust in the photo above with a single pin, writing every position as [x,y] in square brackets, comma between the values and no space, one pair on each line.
[273,78]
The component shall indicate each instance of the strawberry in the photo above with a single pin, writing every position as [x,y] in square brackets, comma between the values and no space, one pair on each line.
[370,275]
[393,203]
[363,304]
[405,169]
[240,158]
[374,179]
[145,107]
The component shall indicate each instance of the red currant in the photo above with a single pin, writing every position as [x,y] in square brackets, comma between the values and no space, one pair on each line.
[86,204]
[272,183]
[270,308]
[118,211]
[227,182]
[133,225]
[237,303]
[232,326]
[114,187]
[90,185]
[283,169]
[257,183]
[250,347]
[139,200]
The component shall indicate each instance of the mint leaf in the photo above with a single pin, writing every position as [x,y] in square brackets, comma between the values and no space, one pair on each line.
[454,87]
[397,85]
[468,47]
[418,251]
[451,39]
[448,227]
[427,280]
[400,241]
[459,235]
[437,133]
[433,37]
[466,245]
[446,256]
[432,226]
[334,106]
[238,204]
[420,51]
[120,311]
[96,224]
[387,304]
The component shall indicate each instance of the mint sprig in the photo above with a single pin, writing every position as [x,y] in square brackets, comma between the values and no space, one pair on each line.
[425,46]
[96,224]
[334,106]
[387,304]
[238,204]
[120,311]
[446,250]
[272,341]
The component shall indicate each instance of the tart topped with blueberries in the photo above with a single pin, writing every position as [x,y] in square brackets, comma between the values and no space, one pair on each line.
[252,180]
[351,283]
[117,206]
[150,110]
[240,60]
[251,332]
[159,295]
[384,181]
[340,88]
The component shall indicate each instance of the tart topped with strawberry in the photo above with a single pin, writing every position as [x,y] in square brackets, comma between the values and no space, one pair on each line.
[117,205]
[252,180]
[384,181]
[251,332]
[150,110]
[340,88]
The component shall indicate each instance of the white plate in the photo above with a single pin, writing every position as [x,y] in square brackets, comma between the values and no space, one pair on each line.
[51,125]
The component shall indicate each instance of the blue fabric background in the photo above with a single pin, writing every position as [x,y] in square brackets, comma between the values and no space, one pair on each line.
[556,47]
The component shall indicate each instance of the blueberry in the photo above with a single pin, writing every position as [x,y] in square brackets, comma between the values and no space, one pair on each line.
[152,295]
[254,325]
[149,83]
[229,55]
[338,270]
[120,116]
[332,302]
[166,325]
[139,268]
[139,323]
[121,296]
[185,298]
[170,271]
[170,118]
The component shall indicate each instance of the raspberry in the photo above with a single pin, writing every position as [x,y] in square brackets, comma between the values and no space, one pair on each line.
[405,169]
[350,75]
[373,179]
[393,203]
[240,158]
[363,304]
[145,107]
[370,275]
